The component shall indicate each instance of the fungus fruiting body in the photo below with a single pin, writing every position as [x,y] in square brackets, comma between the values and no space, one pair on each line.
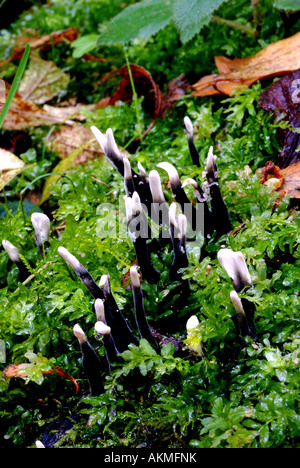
[191,143]
[41,225]
[90,362]
[14,255]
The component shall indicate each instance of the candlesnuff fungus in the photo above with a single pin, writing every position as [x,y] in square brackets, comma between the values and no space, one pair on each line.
[113,154]
[114,318]
[81,272]
[201,198]
[220,215]
[179,194]
[128,180]
[138,230]
[235,266]
[140,315]
[160,209]
[111,351]
[41,225]
[14,255]
[178,226]
[90,362]
[190,139]
[192,323]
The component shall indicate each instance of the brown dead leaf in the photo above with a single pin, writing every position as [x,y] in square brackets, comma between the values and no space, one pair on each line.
[282,97]
[67,139]
[276,59]
[291,181]
[24,113]
[69,112]
[43,43]
[19,370]
[155,103]
[42,80]
[10,167]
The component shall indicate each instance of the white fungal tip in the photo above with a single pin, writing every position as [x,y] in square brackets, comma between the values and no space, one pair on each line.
[141,170]
[39,444]
[189,126]
[69,258]
[41,225]
[104,282]
[111,143]
[192,322]
[211,161]
[135,279]
[99,309]
[127,168]
[190,181]
[155,187]
[235,266]
[128,208]
[12,251]
[237,303]
[172,214]
[136,203]
[170,169]
[79,333]
[102,328]
[100,137]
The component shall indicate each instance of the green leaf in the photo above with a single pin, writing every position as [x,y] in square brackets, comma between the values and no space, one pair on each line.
[191,16]
[140,20]
[84,44]
[289,5]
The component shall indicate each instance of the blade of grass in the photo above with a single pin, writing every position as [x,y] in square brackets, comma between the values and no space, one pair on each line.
[15,84]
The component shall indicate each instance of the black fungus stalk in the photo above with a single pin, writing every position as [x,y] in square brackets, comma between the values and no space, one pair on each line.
[14,255]
[41,225]
[191,143]
[128,180]
[235,266]
[103,329]
[90,362]
[82,273]
[140,314]
[220,215]
[178,226]
[138,230]
[120,330]
[113,154]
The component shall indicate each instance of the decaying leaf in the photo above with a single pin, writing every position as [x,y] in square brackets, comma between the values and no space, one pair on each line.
[10,167]
[42,80]
[283,97]
[67,139]
[284,181]
[155,103]
[25,113]
[68,112]
[44,43]
[20,370]
[291,181]
[276,59]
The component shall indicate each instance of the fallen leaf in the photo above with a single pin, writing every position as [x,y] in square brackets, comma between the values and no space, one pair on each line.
[42,80]
[19,370]
[67,139]
[43,43]
[283,97]
[155,103]
[276,59]
[291,181]
[10,167]
[68,112]
[24,113]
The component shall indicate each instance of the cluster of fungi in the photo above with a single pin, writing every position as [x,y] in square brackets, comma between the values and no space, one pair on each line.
[144,195]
